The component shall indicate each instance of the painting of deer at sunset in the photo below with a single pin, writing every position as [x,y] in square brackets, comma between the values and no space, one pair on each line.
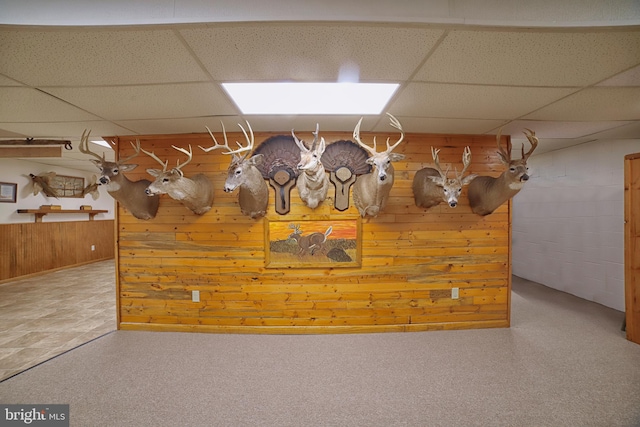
[320,243]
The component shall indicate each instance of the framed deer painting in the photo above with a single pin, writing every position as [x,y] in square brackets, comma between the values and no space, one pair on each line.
[310,244]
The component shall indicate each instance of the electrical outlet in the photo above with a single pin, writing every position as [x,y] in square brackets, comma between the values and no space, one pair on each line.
[455,293]
[93,247]
[195,296]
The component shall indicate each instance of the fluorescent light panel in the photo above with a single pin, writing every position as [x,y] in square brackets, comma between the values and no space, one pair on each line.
[311,98]
[103,143]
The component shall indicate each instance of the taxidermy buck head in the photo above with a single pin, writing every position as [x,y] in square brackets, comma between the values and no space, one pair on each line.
[195,193]
[487,193]
[253,195]
[431,186]
[130,194]
[313,183]
[371,191]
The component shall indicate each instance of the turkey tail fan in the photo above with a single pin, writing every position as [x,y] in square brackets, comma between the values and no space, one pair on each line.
[279,152]
[347,154]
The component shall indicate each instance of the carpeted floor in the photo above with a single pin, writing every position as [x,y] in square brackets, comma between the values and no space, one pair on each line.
[564,362]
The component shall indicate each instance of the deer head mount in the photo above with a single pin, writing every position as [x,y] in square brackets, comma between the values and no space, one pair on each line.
[195,193]
[487,193]
[371,191]
[431,186]
[42,183]
[130,194]
[313,183]
[243,173]
[92,188]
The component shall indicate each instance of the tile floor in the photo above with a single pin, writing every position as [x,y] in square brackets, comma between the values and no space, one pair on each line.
[44,316]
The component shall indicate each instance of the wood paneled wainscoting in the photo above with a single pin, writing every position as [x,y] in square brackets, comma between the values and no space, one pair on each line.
[31,248]
[411,258]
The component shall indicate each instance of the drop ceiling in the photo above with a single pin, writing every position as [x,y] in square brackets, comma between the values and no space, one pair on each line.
[571,82]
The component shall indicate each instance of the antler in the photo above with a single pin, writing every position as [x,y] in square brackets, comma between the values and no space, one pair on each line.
[394,122]
[242,149]
[466,161]
[157,159]
[301,144]
[531,136]
[189,156]
[436,161]
[84,146]
[356,136]
[136,147]
[505,154]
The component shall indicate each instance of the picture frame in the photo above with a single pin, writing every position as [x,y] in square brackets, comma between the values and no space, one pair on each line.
[8,192]
[67,186]
[313,243]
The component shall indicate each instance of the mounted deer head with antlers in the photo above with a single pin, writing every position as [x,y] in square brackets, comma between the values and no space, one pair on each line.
[313,183]
[253,195]
[130,194]
[371,191]
[195,193]
[431,186]
[487,193]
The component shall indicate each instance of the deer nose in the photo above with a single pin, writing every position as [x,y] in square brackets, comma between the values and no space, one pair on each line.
[104,180]
[383,177]
[227,190]
[524,177]
[147,192]
[453,204]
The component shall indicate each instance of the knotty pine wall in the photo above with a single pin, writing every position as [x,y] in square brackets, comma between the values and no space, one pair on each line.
[411,258]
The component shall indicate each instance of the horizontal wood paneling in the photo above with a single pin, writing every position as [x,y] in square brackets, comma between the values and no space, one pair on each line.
[31,248]
[411,257]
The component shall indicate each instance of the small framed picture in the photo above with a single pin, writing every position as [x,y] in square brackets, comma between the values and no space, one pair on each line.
[8,192]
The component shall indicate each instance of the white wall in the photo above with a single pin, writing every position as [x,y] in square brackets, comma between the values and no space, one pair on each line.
[568,221]
[17,171]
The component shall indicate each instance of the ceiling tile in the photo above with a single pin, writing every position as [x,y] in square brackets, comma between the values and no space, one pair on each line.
[444,126]
[597,103]
[531,58]
[628,78]
[305,52]
[80,57]
[65,130]
[20,104]
[472,102]
[558,130]
[185,125]
[149,101]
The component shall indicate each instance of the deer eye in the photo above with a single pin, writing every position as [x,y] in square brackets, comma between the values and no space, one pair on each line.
[512,169]
[115,170]
[165,180]
[238,172]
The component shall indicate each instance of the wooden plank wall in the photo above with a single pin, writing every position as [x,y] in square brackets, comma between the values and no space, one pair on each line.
[411,258]
[31,248]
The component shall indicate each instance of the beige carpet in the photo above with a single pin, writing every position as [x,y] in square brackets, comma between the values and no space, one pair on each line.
[564,362]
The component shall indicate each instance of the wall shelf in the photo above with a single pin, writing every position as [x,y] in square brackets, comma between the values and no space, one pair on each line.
[39,213]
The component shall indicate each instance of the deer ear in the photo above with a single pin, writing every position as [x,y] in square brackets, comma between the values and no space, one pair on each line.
[394,157]
[256,159]
[154,172]
[96,162]
[437,180]
[467,179]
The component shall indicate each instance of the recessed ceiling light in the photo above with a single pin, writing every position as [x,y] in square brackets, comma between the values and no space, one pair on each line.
[311,98]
